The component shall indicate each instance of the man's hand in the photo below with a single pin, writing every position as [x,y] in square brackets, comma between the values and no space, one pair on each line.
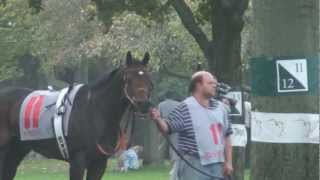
[228,168]
[155,114]
[156,117]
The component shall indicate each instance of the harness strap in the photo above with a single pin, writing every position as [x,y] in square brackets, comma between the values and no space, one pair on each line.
[124,141]
[121,144]
[132,129]
[58,123]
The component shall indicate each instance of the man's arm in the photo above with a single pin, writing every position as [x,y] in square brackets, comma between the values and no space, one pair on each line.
[228,167]
[161,123]
[174,121]
[228,149]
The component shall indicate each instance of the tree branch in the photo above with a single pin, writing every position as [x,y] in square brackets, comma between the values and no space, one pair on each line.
[190,24]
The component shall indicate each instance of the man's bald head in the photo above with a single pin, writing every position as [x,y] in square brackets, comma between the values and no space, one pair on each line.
[197,78]
[201,74]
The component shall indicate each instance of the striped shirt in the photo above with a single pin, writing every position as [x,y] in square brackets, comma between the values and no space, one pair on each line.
[179,121]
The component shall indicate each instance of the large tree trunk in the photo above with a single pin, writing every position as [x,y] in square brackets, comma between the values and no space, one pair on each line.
[285,28]
[225,62]
[225,53]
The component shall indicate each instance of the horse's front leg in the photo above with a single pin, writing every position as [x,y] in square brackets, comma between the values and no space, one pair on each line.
[3,154]
[96,169]
[77,166]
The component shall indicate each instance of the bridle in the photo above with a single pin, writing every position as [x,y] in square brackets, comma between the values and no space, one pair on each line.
[133,103]
[140,71]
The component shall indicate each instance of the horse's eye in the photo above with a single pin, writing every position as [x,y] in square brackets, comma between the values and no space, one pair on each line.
[141,73]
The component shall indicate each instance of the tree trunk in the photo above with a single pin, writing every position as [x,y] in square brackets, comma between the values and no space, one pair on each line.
[225,53]
[285,28]
[225,62]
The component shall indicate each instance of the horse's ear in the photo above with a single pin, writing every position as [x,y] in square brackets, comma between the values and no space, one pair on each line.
[129,58]
[146,58]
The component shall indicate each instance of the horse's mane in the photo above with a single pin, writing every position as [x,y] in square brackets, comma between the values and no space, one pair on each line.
[105,79]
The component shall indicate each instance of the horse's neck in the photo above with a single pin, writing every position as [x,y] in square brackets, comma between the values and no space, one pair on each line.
[108,106]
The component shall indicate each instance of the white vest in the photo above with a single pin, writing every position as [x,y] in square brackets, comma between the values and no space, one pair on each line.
[209,127]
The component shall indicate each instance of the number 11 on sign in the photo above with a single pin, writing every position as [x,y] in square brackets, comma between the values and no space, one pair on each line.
[292,75]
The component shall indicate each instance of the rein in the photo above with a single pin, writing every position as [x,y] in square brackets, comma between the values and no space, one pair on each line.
[122,138]
[120,145]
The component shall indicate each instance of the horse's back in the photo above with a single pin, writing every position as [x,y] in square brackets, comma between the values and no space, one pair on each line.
[10,94]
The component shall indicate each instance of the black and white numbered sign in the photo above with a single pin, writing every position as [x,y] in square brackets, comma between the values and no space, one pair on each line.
[237,109]
[292,75]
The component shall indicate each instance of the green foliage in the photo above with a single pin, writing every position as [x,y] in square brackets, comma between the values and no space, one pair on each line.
[67,32]
[63,31]
[168,43]
[16,33]
[107,9]
[202,10]
[151,9]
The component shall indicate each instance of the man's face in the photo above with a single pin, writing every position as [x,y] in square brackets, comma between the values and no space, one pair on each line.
[209,85]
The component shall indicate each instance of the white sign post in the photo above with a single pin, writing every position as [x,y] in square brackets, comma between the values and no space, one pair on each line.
[239,136]
[292,75]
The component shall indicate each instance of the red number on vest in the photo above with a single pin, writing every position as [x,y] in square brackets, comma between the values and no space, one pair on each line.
[32,112]
[216,131]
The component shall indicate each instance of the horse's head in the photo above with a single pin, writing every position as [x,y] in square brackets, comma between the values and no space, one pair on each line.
[137,82]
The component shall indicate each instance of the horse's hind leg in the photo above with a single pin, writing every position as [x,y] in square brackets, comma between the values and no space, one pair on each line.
[14,156]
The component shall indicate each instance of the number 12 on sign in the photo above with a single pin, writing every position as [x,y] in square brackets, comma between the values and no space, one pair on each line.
[292,75]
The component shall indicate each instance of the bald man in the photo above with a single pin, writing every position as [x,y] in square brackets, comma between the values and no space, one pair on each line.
[203,129]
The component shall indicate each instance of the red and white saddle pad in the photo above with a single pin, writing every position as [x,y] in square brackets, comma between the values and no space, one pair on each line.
[38,111]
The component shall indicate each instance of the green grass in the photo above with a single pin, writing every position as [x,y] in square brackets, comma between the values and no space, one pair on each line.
[58,170]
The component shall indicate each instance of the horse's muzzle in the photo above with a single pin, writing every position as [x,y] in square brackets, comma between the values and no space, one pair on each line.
[143,106]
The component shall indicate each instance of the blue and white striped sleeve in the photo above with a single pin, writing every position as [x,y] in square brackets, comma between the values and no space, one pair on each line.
[176,118]
[227,121]
[229,130]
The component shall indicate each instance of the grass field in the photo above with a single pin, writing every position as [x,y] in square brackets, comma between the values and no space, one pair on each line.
[57,170]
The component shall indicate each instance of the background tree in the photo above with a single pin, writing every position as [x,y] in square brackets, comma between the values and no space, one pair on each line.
[222,50]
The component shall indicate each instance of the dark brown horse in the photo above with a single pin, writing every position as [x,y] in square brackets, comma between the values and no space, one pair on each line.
[94,122]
